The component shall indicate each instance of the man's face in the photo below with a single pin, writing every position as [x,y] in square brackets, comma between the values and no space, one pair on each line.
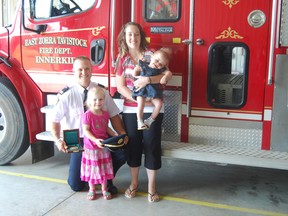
[83,72]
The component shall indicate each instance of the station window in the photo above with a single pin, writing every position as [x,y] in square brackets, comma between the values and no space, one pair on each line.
[227,74]
[40,9]
[162,10]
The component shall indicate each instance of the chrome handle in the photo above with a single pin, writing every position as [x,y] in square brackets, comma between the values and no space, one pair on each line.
[187,41]
[199,41]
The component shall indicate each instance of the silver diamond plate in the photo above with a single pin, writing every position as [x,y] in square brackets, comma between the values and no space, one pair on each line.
[284,24]
[226,155]
[225,136]
[172,116]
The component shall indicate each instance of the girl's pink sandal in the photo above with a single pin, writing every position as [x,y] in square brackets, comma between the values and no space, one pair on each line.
[91,195]
[107,195]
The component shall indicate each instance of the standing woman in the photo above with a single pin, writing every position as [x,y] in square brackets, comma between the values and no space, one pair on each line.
[132,48]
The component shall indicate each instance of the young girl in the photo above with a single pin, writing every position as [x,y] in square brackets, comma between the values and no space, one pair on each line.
[157,65]
[96,166]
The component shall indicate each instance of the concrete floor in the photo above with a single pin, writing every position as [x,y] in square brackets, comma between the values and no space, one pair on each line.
[186,188]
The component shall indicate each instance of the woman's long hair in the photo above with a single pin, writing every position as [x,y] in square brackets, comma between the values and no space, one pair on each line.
[122,45]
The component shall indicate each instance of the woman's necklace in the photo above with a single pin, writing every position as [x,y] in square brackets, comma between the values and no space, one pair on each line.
[136,58]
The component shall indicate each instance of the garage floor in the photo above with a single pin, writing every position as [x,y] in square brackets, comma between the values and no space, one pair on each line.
[186,188]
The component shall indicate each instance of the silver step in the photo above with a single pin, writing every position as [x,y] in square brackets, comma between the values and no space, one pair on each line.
[45,136]
[47,109]
[226,155]
[215,153]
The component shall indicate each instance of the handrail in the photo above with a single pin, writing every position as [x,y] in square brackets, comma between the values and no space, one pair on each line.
[190,53]
[6,60]
[113,2]
[272,42]
[132,10]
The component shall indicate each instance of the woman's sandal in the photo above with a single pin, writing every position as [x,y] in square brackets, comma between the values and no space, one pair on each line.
[153,197]
[91,195]
[130,193]
[107,195]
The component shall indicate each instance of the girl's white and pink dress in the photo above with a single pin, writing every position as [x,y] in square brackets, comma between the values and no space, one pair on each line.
[96,165]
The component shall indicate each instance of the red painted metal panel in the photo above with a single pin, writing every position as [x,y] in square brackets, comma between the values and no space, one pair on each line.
[227,21]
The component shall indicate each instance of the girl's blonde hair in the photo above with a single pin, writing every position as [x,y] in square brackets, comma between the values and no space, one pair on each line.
[94,92]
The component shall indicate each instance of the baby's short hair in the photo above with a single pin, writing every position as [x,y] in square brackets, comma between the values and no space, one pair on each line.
[166,52]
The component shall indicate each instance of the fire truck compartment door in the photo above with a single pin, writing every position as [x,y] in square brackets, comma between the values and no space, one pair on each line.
[280,106]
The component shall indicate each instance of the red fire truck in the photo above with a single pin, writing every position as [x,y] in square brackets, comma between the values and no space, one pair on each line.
[227,102]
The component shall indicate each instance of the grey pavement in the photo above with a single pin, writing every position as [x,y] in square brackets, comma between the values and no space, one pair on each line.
[186,188]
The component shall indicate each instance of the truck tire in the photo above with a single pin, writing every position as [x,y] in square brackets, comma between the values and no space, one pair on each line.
[14,138]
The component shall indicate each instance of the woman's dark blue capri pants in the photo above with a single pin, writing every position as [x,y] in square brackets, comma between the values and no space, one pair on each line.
[143,141]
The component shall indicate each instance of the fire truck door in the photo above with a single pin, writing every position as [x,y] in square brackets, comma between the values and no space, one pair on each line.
[229,55]
[72,28]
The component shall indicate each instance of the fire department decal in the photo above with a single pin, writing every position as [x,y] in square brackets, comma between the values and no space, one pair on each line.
[46,49]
